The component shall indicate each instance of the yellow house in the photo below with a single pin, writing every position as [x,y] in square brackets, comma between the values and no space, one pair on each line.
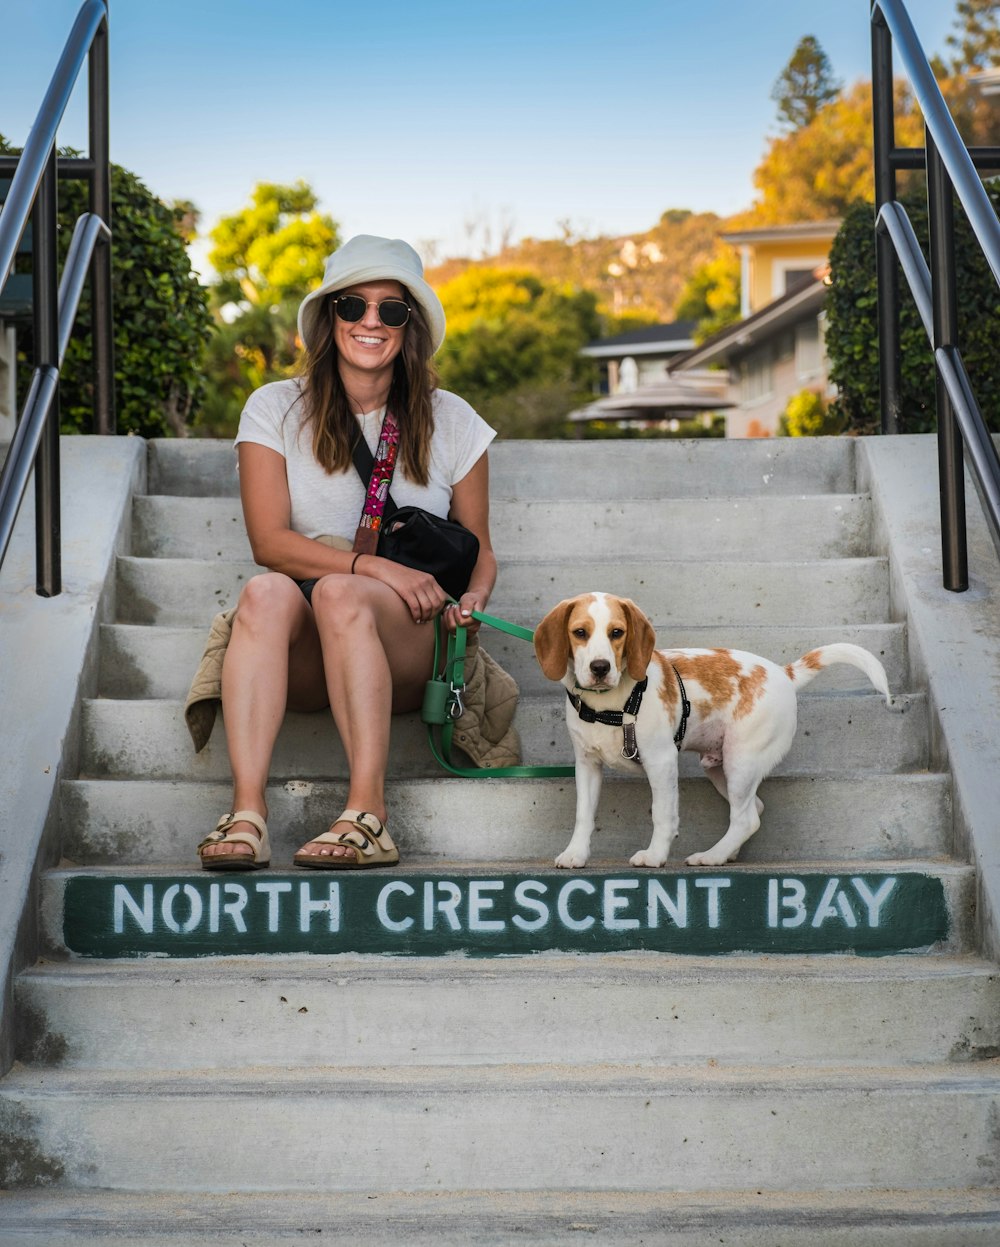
[774,259]
[776,350]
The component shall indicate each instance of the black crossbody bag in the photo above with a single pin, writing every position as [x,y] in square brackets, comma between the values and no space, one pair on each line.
[417,538]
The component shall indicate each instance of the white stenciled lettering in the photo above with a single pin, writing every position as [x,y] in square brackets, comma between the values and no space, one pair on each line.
[714,886]
[236,906]
[446,902]
[329,904]
[873,901]
[792,899]
[382,907]
[141,915]
[478,904]
[657,898]
[273,890]
[167,908]
[523,897]
[562,905]
[826,909]
[614,903]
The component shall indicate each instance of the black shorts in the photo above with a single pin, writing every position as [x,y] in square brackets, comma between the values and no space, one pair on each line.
[307,587]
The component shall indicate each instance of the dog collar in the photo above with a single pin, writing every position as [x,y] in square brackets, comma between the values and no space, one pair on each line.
[625,719]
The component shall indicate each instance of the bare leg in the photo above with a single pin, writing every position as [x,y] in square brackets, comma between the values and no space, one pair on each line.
[376,661]
[273,659]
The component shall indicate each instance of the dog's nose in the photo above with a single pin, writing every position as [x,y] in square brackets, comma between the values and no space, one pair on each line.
[599,668]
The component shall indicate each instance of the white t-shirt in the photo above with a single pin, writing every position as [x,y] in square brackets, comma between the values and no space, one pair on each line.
[331,504]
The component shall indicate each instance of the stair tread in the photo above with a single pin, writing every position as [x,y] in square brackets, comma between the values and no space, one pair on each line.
[623,1078]
[496,1218]
[421,864]
[670,968]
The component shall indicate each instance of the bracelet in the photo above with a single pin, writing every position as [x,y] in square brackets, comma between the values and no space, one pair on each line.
[355,559]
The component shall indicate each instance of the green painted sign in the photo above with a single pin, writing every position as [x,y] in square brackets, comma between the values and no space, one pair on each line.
[486,914]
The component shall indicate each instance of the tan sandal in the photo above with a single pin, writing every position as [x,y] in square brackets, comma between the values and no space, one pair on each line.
[256,859]
[368,837]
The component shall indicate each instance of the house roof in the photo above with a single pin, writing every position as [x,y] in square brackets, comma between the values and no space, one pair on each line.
[799,302]
[801,231]
[701,391]
[651,340]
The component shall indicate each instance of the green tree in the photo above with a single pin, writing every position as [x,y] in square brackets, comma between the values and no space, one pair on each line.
[268,256]
[274,248]
[804,85]
[513,347]
[852,324]
[161,317]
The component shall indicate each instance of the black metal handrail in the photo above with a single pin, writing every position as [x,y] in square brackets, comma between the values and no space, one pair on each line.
[952,169]
[33,195]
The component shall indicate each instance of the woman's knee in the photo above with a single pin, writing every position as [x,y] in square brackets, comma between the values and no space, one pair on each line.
[342,602]
[268,601]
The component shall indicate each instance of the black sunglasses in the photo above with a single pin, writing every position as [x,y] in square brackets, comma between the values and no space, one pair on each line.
[393,313]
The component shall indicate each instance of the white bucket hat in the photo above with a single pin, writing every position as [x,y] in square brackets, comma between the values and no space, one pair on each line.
[369,258]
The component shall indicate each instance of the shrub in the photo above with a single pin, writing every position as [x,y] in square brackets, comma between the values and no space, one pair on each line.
[161,317]
[852,330]
[808,415]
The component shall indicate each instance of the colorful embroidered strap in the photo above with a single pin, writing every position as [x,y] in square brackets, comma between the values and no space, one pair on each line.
[366,538]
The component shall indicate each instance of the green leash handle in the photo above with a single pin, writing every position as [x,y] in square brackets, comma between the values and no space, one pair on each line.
[442,705]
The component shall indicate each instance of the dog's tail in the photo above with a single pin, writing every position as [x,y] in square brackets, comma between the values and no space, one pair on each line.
[805,669]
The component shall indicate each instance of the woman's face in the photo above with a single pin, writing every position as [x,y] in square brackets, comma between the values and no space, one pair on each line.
[367,344]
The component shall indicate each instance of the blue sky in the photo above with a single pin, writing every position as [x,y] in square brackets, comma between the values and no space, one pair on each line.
[432,120]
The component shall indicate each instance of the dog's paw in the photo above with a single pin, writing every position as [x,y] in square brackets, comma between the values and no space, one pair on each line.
[709,858]
[572,859]
[651,861]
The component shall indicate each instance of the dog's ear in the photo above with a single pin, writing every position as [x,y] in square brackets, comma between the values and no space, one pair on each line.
[552,641]
[641,640]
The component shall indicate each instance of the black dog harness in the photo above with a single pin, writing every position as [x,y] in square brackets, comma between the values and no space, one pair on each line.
[625,719]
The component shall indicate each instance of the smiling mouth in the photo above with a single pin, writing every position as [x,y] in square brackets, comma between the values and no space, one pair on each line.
[366,341]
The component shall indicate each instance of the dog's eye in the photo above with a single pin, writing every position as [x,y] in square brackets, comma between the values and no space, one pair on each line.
[581,633]
[616,634]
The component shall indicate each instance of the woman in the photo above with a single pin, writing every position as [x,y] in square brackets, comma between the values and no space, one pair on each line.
[326,626]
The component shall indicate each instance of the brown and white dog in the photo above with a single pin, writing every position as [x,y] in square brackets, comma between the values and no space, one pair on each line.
[742,716]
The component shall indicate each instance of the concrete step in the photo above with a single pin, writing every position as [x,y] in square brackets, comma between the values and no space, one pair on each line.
[833,592]
[377,1129]
[804,527]
[498,910]
[139,661]
[857,817]
[697,468]
[750,1218]
[283,1011]
[149,739]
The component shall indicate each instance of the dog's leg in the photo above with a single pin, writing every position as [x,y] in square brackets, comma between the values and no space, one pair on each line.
[740,785]
[718,777]
[663,786]
[588,791]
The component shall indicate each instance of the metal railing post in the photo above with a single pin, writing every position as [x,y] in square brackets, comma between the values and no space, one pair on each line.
[45,290]
[102,334]
[944,300]
[885,255]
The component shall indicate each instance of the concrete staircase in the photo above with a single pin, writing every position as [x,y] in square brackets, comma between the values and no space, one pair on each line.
[244,1060]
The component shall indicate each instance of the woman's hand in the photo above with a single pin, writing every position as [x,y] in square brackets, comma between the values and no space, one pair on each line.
[459,614]
[424,597]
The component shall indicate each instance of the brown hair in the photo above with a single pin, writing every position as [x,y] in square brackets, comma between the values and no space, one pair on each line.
[333,424]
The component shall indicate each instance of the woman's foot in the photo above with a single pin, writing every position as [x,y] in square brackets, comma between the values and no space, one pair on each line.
[238,842]
[358,839]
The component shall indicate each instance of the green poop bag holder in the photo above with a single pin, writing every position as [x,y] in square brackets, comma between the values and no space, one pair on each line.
[443,705]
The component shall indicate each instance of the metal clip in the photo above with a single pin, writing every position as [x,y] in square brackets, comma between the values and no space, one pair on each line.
[456,707]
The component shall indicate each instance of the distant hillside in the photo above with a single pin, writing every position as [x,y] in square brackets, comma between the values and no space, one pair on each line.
[638,277]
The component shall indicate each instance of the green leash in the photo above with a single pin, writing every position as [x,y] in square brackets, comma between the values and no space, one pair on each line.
[443,705]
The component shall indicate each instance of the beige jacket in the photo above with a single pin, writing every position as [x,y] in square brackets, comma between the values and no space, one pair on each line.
[485,732]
